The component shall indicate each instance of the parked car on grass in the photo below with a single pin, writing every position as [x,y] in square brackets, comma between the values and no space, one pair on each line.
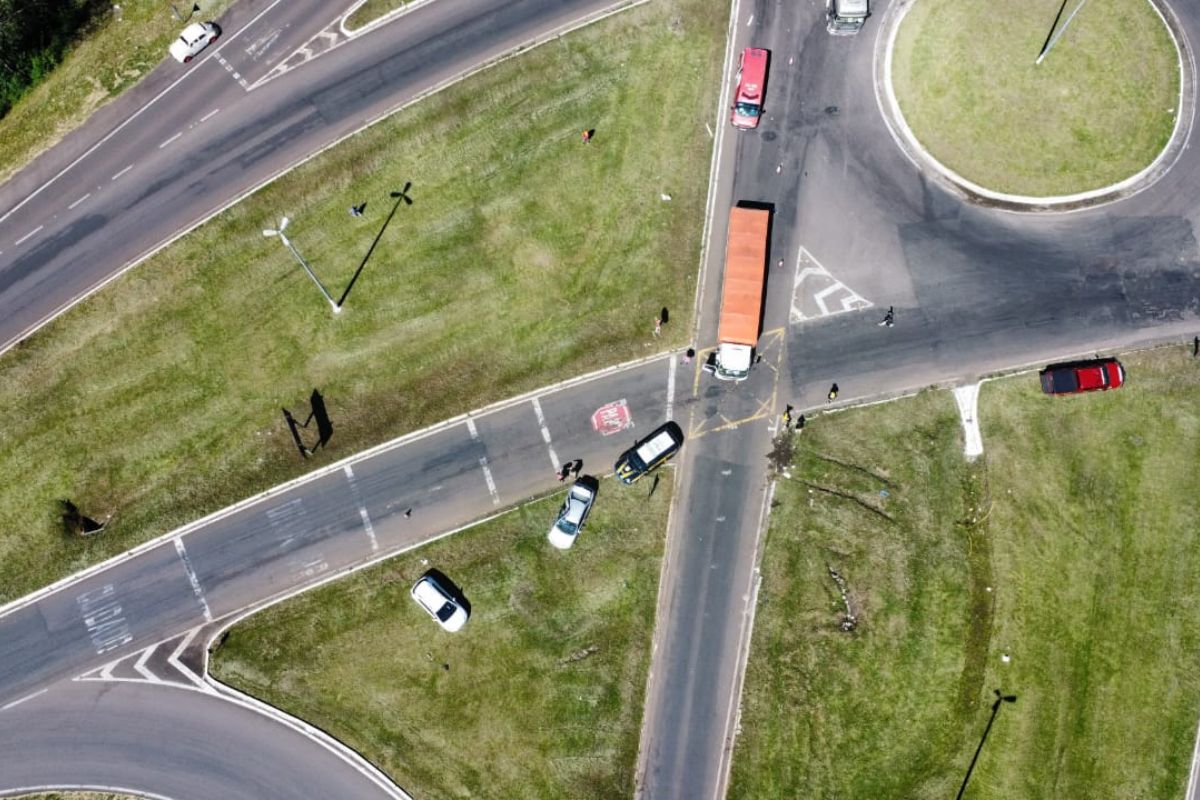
[573,514]
[1082,376]
[439,603]
[195,37]
[650,453]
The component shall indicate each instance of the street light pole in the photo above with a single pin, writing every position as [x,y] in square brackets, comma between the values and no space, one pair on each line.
[282,225]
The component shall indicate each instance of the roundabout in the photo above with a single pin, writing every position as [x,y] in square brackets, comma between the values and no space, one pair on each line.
[1010,110]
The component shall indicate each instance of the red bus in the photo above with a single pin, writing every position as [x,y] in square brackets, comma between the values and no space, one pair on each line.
[751,82]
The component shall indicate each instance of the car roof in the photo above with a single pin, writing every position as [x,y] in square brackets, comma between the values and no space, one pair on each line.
[852,6]
[659,442]
[429,593]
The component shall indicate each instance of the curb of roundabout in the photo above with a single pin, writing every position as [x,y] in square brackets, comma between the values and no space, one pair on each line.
[973,193]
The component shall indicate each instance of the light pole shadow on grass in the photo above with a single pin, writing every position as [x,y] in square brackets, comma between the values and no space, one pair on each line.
[1000,700]
[400,197]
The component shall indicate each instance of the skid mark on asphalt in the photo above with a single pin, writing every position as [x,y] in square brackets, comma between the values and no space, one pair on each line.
[175,662]
[817,293]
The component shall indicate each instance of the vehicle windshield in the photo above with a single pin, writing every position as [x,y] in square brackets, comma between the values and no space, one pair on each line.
[445,612]
[744,109]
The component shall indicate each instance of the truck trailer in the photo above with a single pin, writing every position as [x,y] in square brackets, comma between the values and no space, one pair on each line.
[742,293]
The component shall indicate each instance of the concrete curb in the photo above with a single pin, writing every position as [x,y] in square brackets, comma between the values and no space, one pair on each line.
[906,140]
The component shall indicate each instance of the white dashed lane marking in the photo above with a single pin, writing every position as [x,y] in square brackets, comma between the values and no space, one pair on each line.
[80,200]
[362,508]
[192,579]
[541,418]
[122,172]
[31,233]
[168,141]
[209,115]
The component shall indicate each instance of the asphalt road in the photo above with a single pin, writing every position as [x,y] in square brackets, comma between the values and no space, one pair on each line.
[171,151]
[857,227]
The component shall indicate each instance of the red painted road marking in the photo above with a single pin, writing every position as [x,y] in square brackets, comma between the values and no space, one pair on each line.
[612,418]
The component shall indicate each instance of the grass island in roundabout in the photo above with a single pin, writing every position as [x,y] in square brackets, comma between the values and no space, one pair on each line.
[1098,109]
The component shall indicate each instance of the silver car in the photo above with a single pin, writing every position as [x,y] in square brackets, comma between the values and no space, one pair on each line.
[573,514]
[439,603]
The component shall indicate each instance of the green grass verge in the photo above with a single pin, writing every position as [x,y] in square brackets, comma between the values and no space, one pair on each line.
[1069,548]
[112,55]
[528,256]
[1098,109]
[540,695]
[75,796]
[372,10]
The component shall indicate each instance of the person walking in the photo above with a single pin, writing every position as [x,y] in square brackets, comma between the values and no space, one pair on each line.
[787,417]
[586,136]
[833,393]
[564,471]
[688,355]
[800,423]
[657,326]
[889,318]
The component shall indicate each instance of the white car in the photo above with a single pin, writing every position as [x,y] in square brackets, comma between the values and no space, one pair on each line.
[573,514]
[195,37]
[439,603]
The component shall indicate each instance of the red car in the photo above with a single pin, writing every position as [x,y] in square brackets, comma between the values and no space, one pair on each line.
[1082,376]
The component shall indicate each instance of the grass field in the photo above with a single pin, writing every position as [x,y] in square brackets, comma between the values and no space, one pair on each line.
[109,58]
[1070,548]
[527,256]
[540,695]
[1098,109]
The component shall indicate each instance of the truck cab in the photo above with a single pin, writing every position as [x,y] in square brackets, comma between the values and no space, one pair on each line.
[846,17]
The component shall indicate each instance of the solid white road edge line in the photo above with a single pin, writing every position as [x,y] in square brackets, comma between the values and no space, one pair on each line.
[18,701]
[733,714]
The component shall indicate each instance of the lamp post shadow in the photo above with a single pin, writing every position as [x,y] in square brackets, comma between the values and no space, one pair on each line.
[1000,700]
[401,197]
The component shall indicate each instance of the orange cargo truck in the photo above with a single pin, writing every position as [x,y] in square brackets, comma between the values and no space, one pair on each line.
[742,294]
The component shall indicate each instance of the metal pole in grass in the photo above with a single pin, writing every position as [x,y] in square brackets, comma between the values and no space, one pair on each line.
[1000,698]
[401,197]
[1055,37]
[283,223]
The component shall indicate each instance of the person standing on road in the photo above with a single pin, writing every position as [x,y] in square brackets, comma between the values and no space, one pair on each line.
[889,318]
[564,471]
[833,393]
